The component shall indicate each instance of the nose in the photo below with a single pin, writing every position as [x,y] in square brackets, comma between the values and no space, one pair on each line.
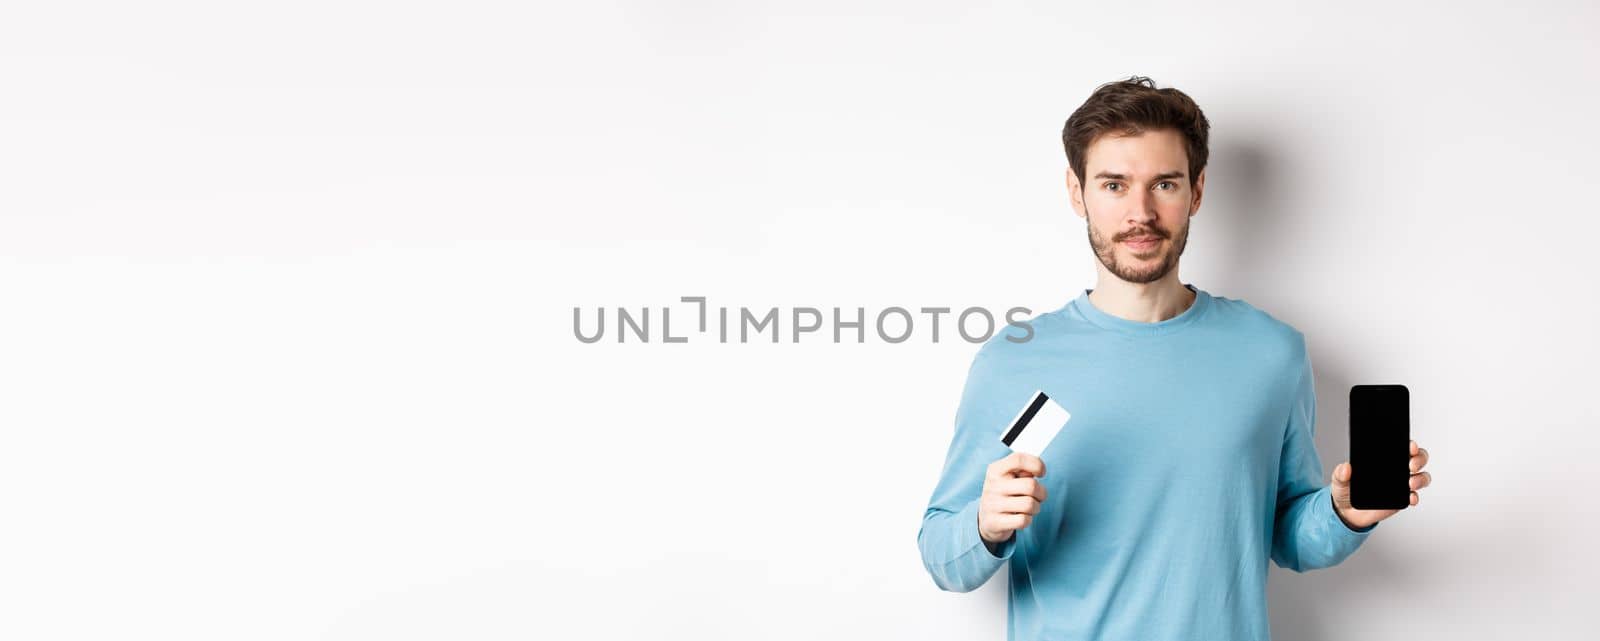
[1142,208]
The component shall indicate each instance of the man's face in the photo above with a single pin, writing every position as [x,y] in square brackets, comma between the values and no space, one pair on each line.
[1137,201]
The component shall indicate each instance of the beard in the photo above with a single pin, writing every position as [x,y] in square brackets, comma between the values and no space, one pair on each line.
[1106,251]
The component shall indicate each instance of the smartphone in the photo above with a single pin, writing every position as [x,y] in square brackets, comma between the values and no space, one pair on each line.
[1380,447]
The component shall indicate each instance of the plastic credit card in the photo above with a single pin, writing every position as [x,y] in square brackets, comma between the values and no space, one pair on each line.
[1036,425]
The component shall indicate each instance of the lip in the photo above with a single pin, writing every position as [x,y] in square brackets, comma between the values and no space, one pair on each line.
[1142,243]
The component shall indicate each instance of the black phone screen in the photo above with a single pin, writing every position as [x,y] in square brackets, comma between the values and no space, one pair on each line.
[1380,447]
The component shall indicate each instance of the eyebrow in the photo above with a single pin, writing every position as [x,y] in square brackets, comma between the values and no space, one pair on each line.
[1161,176]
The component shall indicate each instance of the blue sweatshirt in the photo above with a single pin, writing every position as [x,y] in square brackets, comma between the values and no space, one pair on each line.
[1187,463]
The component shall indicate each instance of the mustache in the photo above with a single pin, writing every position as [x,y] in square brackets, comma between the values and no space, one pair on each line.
[1139,233]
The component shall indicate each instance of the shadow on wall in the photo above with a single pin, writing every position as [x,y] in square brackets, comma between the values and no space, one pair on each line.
[1311,605]
[1498,559]
[1303,606]
[1247,217]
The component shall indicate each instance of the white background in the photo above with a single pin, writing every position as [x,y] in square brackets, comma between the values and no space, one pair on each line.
[286,298]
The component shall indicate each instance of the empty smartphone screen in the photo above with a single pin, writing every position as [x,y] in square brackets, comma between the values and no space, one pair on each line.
[1380,447]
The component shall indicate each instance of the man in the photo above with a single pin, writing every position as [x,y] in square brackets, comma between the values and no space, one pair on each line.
[1188,460]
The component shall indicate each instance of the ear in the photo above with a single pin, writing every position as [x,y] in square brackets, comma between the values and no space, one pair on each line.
[1075,192]
[1199,190]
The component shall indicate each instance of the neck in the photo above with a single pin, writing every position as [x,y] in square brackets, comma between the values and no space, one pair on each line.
[1151,302]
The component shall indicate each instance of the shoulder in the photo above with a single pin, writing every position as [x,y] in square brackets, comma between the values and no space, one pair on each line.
[1012,341]
[1022,345]
[1259,327]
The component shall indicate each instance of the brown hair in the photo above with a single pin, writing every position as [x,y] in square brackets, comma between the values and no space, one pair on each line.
[1129,107]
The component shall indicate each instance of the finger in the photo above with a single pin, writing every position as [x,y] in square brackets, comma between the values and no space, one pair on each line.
[1022,487]
[1341,474]
[1419,460]
[1415,498]
[1419,481]
[1414,448]
[1019,505]
[1010,521]
[1029,464]
[1007,467]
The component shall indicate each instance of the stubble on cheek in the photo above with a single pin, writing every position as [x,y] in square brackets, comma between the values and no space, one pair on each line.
[1106,251]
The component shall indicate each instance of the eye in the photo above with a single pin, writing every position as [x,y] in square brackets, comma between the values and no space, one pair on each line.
[1168,182]
[1110,185]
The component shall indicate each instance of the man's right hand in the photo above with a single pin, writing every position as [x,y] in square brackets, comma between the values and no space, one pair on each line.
[1011,496]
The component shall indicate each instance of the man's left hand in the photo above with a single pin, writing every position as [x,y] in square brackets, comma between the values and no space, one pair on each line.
[1363,519]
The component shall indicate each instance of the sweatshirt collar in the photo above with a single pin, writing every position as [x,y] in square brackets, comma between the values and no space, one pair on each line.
[1202,302]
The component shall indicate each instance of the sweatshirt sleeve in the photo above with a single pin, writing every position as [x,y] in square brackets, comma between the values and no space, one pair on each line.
[1307,533]
[952,551]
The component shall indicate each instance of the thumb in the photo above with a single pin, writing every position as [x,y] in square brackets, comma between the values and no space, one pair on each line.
[1341,478]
